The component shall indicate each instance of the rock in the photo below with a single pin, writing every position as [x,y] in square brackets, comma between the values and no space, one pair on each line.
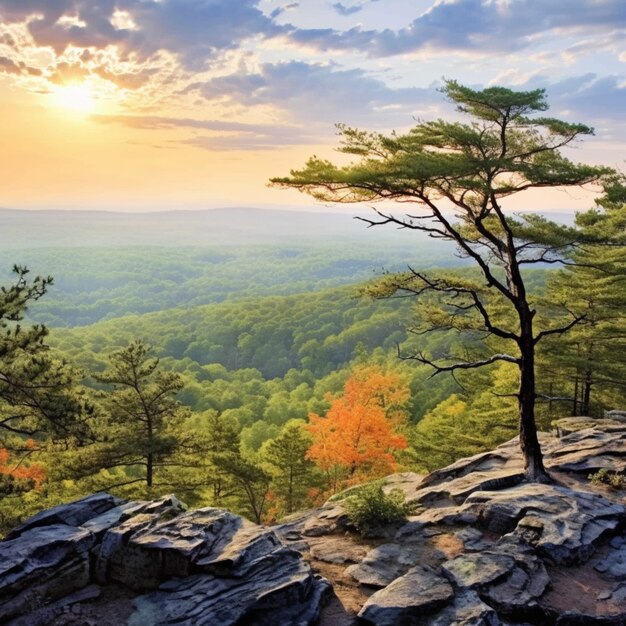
[619,595]
[477,570]
[398,603]
[384,564]
[41,565]
[407,482]
[574,618]
[466,610]
[46,614]
[588,450]
[326,521]
[563,524]
[72,514]
[278,590]
[474,553]
[210,566]
[472,539]
[337,550]
[614,565]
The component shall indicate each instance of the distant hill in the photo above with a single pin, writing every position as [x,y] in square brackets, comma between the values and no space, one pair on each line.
[20,229]
[233,226]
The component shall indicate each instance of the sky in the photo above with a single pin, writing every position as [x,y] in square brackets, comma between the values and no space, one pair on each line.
[189,104]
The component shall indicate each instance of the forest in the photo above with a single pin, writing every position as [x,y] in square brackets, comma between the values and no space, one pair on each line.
[264,372]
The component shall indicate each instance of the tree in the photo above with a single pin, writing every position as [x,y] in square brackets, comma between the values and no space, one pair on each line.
[39,397]
[359,431]
[141,431]
[592,356]
[470,168]
[291,470]
[253,483]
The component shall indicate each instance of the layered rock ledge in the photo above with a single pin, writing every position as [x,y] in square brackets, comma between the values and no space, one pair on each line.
[483,548]
[202,567]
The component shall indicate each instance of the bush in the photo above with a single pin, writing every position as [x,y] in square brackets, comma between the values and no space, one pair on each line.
[371,510]
[614,480]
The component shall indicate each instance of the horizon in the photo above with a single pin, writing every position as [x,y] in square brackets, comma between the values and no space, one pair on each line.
[188,105]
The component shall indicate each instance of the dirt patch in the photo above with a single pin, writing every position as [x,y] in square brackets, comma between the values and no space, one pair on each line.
[577,587]
[348,596]
[450,545]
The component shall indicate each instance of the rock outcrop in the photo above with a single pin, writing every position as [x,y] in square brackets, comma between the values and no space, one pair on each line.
[483,548]
[202,567]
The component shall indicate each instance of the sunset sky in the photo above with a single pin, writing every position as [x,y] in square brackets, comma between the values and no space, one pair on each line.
[167,104]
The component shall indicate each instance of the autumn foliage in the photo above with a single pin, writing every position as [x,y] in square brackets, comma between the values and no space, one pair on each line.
[32,474]
[359,433]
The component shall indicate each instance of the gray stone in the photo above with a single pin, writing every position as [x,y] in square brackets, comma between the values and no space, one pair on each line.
[472,539]
[477,570]
[144,551]
[562,524]
[325,521]
[598,445]
[72,514]
[337,550]
[517,595]
[418,593]
[384,564]
[41,565]
[212,566]
[46,614]
[614,565]
[619,595]
[279,590]
[466,610]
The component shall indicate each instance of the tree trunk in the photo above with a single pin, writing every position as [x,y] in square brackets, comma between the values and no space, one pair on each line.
[149,456]
[149,469]
[586,401]
[529,442]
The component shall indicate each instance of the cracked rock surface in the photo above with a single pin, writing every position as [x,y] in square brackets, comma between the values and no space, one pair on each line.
[483,548]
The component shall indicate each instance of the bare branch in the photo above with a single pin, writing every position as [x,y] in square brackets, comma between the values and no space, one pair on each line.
[463,365]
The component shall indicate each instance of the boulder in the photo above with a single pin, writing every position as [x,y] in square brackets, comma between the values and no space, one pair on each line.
[278,590]
[562,524]
[614,565]
[207,566]
[72,514]
[41,565]
[383,564]
[398,603]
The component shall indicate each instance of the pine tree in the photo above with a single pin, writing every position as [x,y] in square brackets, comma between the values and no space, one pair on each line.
[39,394]
[141,430]
[472,167]
[292,472]
[590,361]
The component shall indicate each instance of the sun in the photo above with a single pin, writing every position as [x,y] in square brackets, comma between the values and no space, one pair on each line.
[76,97]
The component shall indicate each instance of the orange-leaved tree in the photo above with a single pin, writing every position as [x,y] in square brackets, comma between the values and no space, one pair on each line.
[19,477]
[359,434]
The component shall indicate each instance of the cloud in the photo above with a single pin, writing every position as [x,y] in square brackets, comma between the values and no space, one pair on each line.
[345,10]
[226,135]
[9,66]
[478,26]
[590,97]
[321,92]
[280,10]
[194,30]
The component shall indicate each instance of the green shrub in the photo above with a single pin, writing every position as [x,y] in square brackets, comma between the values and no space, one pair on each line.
[615,480]
[371,510]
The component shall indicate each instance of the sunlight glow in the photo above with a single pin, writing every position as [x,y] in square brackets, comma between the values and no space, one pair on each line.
[77,97]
